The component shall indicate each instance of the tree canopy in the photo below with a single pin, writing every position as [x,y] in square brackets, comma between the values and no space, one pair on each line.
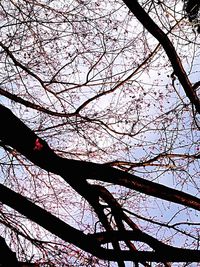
[99,155]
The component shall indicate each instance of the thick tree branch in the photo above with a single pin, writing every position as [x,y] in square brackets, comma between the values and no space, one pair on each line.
[162,38]
[7,257]
[46,219]
[91,242]
[17,135]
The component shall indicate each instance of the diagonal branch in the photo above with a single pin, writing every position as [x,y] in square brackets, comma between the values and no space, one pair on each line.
[76,172]
[162,38]
[29,104]
[92,242]
[46,219]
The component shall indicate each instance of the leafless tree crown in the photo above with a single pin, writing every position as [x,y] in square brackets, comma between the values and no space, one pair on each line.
[99,135]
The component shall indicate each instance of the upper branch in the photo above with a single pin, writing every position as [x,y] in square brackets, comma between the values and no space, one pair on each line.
[153,28]
[29,104]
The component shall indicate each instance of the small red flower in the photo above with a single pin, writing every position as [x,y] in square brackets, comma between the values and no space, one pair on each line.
[38,146]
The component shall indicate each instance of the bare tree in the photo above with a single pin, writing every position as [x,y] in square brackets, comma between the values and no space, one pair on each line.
[99,133]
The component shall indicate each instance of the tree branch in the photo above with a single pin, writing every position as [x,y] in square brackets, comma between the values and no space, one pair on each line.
[162,38]
[46,220]
[29,104]
[77,172]
[7,257]
[91,242]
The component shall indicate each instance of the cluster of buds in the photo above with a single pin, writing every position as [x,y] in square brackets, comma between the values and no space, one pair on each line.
[38,146]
